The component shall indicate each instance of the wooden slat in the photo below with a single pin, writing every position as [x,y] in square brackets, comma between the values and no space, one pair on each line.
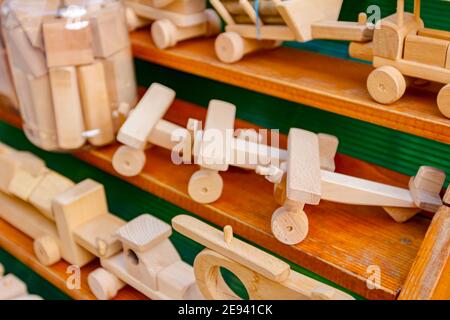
[21,246]
[343,241]
[315,80]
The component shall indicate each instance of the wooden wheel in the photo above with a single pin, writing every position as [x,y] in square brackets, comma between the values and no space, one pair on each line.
[46,249]
[103,284]
[164,33]
[386,85]
[443,101]
[205,186]
[289,226]
[128,162]
[214,22]
[229,47]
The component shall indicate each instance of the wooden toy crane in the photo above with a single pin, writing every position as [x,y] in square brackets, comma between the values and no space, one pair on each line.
[173,20]
[403,50]
[305,183]
[251,29]
[263,276]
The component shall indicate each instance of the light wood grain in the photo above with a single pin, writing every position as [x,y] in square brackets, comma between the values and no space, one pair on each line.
[415,113]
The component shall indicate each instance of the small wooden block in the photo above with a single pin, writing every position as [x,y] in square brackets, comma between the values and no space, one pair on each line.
[23,55]
[67,105]
[341,30]
[175,280]
[425,188]
[98,235]
[72,209]
[426,50]
[67,45]
[144,232]
[119,69]
[109,32]
[12,287]
[237,250]
[50,186]
[328,146]
[215,150]
[96,104]
[303,168]
[152,107]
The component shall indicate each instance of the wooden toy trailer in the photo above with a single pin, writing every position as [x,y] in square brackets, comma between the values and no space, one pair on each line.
[402,50]
[248,30]
[173,20]
[263,276]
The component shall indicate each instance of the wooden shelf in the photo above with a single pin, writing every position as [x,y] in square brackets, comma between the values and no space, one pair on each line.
[343,240]
[21,246]
[312,79]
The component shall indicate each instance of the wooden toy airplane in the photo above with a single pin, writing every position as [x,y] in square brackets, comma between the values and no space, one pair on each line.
[306,183]
[71,221]
[403,50]
[249,29]
[174,20]
[263,276]
[12,288]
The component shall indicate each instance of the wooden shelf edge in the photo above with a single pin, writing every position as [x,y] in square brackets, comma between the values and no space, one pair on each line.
[331,251]
[319,81]
[21,246]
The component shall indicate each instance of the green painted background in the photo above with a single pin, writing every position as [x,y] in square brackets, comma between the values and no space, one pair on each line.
[385,147]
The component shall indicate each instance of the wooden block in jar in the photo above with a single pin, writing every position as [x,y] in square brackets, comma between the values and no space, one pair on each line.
[96,104]
[67,43]
[109,32]
[67,106]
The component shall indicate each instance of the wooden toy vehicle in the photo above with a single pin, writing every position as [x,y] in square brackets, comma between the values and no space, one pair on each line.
[402,50]
[263,276]
[249,30]
[306,183]
[149,263]
[173,20]
[12,288]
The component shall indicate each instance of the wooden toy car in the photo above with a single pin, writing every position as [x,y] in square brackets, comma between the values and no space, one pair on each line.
[306,183]
[173,20]
[249,29]
[263,276]
[149,263]
[402,50]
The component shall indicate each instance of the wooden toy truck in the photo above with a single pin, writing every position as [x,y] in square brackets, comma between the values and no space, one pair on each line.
[71,221]
[402,50]
[263,276]
[249,30]
[173,20]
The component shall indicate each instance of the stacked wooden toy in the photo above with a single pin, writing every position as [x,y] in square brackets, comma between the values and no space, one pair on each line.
[72,69]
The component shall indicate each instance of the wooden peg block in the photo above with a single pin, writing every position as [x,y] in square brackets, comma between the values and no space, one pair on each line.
[175,280]
[73,208]
[425,188]
[12,287]
[426,50]
[303,173]
[67,105]
[152,107]
[217,141]
[144,232]
[50,186]
[109,32]
[119,70]
[328,146]
[67,44]
[23,55]
[96,104]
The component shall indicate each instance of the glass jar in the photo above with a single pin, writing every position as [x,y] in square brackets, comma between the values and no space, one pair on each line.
[72,69]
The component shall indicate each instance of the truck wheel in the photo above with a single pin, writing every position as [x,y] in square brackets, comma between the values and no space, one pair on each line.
[386,85]
[443,100]
[205,186]
[46,249]
[229,47]
[103,284]
[128,162]
[289,226]
[164,34]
